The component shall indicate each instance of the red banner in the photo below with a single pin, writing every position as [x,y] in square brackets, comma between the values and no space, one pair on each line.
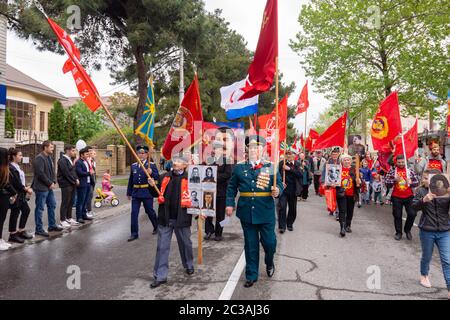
[411,139]
[386,124]
[303,102]
[334,136]
[86,88]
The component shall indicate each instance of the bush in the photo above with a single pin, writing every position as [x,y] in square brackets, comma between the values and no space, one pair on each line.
[110,136]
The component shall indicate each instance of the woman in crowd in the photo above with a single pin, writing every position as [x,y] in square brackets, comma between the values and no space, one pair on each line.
[20,207]
[7,194]
[305,179]
[434,228]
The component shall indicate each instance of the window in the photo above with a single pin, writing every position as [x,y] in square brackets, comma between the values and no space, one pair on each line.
[23,114]
[42,121]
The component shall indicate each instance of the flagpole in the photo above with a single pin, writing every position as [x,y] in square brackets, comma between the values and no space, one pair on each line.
[277,136]
[284,161]
[406,160]
[304,139]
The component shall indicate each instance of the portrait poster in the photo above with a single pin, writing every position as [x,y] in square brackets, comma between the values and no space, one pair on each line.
[202,185]
[356,145]
[333,175]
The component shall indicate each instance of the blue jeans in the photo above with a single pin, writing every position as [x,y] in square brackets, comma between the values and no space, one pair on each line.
[442,241]
[42,199]
[82,197]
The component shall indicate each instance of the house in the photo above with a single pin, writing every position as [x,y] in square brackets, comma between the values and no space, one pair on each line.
[30,103]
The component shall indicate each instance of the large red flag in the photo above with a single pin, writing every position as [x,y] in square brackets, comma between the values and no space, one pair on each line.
[187,125]
[334,136]
[267,123]
[262,70]
[86,88]
[386,124]
[303,102]
[312,137]
[411,139]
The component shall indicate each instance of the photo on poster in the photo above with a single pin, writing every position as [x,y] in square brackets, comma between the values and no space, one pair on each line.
[355,145]
[196,198]
[209,174]
[333,175]
[439,184]
[209,200]
[194,174]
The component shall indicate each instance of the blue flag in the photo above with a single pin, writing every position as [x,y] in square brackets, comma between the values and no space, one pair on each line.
[146,125]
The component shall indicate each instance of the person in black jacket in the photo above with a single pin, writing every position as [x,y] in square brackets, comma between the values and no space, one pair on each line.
[223,152]
[8,194]
[292,173]
[20,206]
[434,228]
[43,184]
[173,217]
[67,181]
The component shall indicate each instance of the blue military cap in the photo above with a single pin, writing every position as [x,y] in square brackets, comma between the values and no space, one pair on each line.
[255,139]
[142,148]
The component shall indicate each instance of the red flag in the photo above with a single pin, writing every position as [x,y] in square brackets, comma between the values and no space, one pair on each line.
[267,123]
[294,144]
[187,125]
[252,129]
[86,88]
[312,137]
[386,124]
[313,134]
[303,102]
[411,139]
[334,136]
[262,70]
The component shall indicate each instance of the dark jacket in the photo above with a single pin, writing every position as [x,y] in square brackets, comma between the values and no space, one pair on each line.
[82,173]
[67,174]
[293,178]
[224,172]
[139,177]
[435,214]
[44,173]
[183,219]
[14,180]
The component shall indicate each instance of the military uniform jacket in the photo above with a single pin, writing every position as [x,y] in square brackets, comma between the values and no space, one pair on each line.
[138,177]
[255,210]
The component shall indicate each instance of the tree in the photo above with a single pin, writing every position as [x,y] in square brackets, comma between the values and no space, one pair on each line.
[84,122]
[71,128]
[9,124]
[56,122]
[363,50]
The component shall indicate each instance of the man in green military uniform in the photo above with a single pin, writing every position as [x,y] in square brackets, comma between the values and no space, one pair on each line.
[256,208]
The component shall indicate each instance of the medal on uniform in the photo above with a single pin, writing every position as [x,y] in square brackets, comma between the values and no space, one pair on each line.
[263,179]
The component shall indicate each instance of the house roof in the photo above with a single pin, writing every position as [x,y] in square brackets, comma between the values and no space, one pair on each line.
[18,79]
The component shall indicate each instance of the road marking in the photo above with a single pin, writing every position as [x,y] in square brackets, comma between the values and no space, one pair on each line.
[415,225]
[233,280]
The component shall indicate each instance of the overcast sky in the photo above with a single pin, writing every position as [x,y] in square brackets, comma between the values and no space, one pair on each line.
[244,17]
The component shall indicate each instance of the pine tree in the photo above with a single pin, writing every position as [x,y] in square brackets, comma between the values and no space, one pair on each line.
[56,122]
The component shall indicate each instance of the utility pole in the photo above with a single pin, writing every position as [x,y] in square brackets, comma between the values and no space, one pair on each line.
[181,74]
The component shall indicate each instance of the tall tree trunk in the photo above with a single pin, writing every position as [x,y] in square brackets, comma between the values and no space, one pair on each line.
[384,63]
[142,69]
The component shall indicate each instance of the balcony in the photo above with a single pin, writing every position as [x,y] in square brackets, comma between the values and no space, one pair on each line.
[22,136]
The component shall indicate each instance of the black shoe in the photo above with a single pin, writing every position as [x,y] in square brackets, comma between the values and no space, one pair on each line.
[55,229]
[398,236]
[342,233]
[87,218]
[409,235]
[190,271]
[282,230]
[25,235]
[42,234]
[132,238]
[270,271]
[155,231]
[81,221]
[348,229]
[218,238]
[291,228]
[208,236]
[14,237]
[359,205]
[156,284]
[249,283]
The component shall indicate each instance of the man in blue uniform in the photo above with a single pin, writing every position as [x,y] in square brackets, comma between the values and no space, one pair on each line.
[256,208]
[139,191]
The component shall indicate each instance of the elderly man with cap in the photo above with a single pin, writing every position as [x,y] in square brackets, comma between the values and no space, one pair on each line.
[292,189]
[173,218]
[140,192]
[256,208]
[433,162]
